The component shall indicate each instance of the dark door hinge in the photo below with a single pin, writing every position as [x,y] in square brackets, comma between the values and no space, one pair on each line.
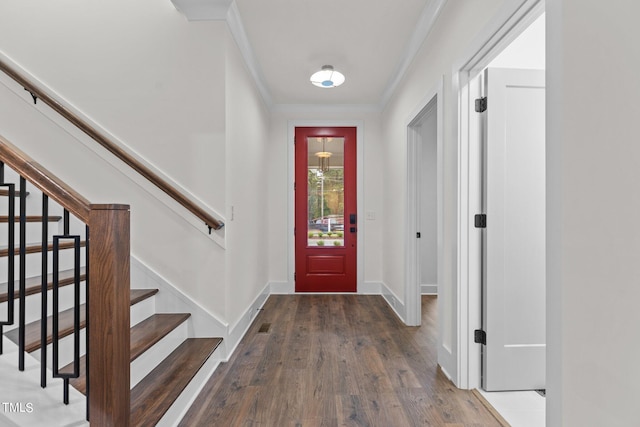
[480,336]
[481,105]
[418,234]
[480,221]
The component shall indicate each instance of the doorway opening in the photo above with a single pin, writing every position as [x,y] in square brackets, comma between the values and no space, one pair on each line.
[485,155]
[469,86]
[424,236]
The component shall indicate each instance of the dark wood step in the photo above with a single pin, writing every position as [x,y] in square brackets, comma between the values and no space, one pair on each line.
[154,395]
[80,383]
[151,330]
[35,248]
[32,330]
[33,285]
[143,336]
[5,192]
[31,218]
[65,327]
[138,295]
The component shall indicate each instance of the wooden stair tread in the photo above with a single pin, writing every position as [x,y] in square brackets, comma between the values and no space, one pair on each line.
[5,192]
[143,336]
[35,248]
[33,285]
[138,295]
[152,397]
[151,330]
[32,330]
[65,327]
[31,218]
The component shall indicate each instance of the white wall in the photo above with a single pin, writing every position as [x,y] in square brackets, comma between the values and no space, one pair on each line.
[140,70]
[281,201]
[247,167]
[452,33]
[593,240]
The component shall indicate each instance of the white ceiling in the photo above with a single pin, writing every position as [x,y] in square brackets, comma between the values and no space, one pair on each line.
[284,41]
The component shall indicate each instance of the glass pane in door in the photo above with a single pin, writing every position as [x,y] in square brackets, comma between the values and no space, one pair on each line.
[325,191]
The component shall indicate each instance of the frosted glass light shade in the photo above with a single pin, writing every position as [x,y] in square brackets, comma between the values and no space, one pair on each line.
[327,77]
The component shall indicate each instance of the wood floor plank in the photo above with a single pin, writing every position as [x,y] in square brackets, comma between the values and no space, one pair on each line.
[358,366]
[152,397]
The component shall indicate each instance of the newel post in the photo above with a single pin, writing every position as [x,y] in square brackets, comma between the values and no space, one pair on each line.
[108,295]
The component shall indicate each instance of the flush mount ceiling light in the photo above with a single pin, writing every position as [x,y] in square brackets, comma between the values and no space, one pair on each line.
[327,77]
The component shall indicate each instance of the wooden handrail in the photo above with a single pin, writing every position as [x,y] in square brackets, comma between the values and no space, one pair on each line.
[44,180]
[113,148]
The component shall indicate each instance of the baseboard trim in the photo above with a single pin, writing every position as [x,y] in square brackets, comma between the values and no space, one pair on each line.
[394,302]
[239,330]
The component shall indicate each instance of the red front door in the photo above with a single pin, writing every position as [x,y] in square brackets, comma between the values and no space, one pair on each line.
[325,209]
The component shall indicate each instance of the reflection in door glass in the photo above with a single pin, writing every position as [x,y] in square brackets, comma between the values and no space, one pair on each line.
[325,191]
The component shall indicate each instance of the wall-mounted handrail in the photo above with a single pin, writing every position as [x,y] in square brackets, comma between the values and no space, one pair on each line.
[112,147]
[44,180]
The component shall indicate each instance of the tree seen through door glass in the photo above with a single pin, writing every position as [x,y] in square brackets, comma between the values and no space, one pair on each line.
[325,191]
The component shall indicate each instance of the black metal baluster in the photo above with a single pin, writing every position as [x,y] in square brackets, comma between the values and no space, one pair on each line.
[44,290]
[11,255]
[76,313]
[22,278]
[87,317]
[65,220]
[55,314]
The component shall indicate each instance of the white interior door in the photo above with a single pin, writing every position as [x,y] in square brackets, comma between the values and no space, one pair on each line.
[514,239]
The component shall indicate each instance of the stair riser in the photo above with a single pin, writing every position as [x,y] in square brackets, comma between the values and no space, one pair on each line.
[139,367]
[142,310]
[33,231]
[148,360]
[34,304]
[33,265]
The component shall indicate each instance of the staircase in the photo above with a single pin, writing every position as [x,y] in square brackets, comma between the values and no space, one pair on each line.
[48,318]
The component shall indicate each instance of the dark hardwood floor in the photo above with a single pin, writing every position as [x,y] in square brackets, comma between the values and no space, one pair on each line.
[335,360]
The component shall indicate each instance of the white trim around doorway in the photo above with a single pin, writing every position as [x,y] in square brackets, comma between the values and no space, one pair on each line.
[431,103]
[510,21]
[291,265]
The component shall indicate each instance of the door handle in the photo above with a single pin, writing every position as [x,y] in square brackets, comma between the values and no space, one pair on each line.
[352,219]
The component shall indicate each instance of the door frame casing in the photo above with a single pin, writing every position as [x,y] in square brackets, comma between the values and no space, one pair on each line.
[513,18]
[291,258]
[431,104]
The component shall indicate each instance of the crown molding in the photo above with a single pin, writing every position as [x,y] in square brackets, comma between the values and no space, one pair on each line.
[424,26]
[326,108]
[203,10]
[236,27]
[227,10]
